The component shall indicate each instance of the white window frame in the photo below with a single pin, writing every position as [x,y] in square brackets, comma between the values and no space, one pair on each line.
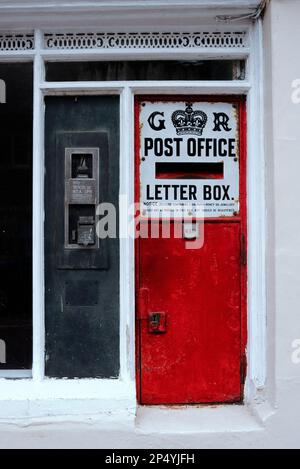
[111,394]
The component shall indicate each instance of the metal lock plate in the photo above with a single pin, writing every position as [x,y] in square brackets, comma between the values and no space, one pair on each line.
[157,323]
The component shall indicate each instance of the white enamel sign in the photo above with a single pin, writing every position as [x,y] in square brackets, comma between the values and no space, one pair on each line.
[189,158]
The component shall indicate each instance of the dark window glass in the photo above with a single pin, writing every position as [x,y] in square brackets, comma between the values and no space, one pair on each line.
[142,70]
[16,117]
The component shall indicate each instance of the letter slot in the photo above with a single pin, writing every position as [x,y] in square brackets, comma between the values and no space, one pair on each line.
[86,231]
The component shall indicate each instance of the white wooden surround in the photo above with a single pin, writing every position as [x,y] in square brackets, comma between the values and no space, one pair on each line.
[16,42]
[212,41]
[154,40]
[118,30]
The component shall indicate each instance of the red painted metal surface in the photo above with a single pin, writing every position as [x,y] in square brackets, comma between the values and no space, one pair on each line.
[200,356]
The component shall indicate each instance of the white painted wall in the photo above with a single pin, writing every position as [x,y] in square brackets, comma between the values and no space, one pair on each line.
[283,166]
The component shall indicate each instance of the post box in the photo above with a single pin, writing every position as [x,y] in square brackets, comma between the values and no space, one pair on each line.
[191,302]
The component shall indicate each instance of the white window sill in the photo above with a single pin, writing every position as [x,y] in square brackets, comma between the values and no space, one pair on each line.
[16,374]
[28,399]
[197,419]
[113,402]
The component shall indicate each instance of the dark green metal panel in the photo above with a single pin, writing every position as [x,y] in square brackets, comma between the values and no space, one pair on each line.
[82,285]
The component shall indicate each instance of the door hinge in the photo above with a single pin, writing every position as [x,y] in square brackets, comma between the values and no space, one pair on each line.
[243,254]
[143,301]
[243,369]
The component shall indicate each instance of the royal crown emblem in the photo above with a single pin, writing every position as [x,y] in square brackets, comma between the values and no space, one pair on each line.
[189,122]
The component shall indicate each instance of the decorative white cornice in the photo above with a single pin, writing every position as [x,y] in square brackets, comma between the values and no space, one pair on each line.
[165,40]
[16,42]
[113,41]
[113,4]
[116,13]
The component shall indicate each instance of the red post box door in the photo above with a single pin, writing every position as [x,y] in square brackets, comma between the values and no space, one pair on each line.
[191,303]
